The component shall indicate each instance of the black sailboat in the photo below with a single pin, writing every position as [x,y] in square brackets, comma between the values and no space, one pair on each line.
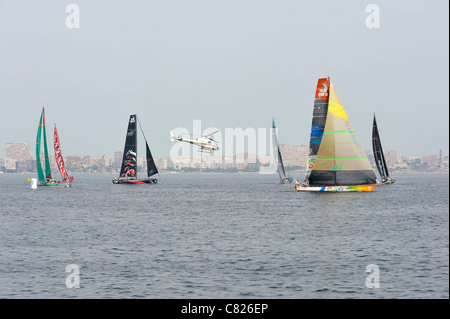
[379,155]
[277,154]
[128,170]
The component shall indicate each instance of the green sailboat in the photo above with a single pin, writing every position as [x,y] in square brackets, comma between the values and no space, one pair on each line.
[44,180]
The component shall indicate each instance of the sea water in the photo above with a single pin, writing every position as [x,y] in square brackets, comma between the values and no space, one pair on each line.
[223,236]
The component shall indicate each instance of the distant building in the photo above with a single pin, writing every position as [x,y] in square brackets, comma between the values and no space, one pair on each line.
[141,163]
[18,151]
[444,163]
[161,163]
[294,155]
[393,158]
[53,165]
[88,161]
[106,160]
[30,166]
[73,163]
[10,165]
[18,158]
[430,159]
[441,155]
[117,160]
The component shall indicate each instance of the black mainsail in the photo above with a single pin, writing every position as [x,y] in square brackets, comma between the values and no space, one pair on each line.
[129,162]
[151,166]
[378,154]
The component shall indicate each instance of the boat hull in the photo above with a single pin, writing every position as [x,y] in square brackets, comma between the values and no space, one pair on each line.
[49,183]
[351,188]
[388,181]
[287,180]
[136,181]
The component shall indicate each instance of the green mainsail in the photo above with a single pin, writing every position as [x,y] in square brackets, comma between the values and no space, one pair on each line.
[41,176]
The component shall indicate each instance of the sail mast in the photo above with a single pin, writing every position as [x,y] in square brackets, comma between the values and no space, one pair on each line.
[48,172]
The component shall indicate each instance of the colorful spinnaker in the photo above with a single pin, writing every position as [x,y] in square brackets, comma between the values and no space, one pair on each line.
[337,160]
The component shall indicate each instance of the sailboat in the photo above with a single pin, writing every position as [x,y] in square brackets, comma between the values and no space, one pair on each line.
[128,170]
[337,162]
[66,179]
[379,155]
[277,154]
[47,179]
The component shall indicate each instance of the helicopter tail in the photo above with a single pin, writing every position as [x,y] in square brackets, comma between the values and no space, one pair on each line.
[172,137]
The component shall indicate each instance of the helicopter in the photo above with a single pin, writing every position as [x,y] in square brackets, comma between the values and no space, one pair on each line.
[206,143]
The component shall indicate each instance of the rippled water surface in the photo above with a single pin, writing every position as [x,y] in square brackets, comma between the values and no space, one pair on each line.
[223,236]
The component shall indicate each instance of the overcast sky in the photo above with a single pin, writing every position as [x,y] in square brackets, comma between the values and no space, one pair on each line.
[227,63]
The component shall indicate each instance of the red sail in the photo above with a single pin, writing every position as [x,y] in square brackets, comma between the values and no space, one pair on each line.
[322,89]
[59,159]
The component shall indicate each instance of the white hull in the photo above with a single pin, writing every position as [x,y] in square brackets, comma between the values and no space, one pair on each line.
[353,188]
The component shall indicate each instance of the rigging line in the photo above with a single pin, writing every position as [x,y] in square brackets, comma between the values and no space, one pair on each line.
[142,131]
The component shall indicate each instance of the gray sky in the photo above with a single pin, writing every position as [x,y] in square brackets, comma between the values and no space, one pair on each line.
[227,63]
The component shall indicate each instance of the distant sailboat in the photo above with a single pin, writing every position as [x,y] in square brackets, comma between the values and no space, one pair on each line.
[47,179]
[379,155]
[277,154]
[337,162]
[128,170]
[66,179]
